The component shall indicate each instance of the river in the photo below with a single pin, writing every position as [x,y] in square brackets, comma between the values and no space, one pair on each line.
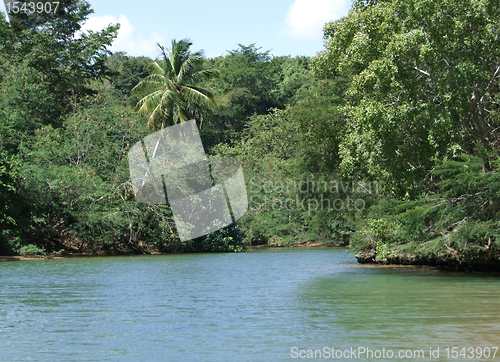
[260,305]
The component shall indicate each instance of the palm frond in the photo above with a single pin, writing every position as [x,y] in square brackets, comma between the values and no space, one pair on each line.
[198,95]
[175,82]
[151,81]
[204,75]
[166,65]
[178,54]
[146,103]
[156,68]
[190,66]
[161,111]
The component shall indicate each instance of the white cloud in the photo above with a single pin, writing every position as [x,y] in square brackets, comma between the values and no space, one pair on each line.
[306,18]
[126,41]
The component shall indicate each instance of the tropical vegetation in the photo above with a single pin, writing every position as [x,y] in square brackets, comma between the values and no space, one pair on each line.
[387,141]
[175,82]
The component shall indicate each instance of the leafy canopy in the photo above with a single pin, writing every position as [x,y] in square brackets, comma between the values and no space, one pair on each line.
[424,84]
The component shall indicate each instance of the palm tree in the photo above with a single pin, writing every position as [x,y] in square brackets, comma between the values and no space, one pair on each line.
[175,82]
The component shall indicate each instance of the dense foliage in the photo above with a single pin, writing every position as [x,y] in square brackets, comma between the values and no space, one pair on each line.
[66,127]
[387,140]
[422,108]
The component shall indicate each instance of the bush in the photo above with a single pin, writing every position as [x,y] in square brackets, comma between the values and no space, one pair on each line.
[32,249]
[223,240]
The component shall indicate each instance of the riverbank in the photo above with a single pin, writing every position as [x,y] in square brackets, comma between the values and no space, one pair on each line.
[486,261]
[66,255]
[44,257]
[304,244]
[489,262]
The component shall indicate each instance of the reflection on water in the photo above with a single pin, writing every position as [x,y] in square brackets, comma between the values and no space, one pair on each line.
[252,306]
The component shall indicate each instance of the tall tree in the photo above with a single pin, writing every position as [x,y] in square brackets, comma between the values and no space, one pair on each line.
[422,113]
[176,83]
[44,67]
[252,82]
[425,78]
[49,43]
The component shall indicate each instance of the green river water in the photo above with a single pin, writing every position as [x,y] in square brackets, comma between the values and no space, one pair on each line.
[260,305]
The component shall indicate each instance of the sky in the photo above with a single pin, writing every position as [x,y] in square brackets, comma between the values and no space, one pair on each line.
[284,27]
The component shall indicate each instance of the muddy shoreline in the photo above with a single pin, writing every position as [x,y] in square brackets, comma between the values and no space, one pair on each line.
[364,258]
[104,254]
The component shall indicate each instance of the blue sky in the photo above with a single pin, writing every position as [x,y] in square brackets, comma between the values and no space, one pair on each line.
[285,27]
